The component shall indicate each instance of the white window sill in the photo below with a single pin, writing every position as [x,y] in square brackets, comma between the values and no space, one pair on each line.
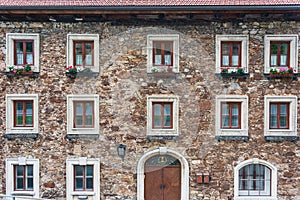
[255,198]
[30,193]
[83,193]
[232,132]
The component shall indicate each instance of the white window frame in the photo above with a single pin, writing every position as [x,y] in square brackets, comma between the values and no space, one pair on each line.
[243,131]
[292,130]
[83,37]
[83,161]
[10,162]
[70,114]
[11,37]
[163,132]
[164,37]
[273,180]
[244,39]
[293,39]
[10,129]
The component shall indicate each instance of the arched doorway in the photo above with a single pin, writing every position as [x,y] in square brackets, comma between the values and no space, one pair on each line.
[162,174]
[162,178]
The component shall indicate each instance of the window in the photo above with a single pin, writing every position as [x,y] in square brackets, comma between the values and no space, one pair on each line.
[255,179]
[232,52]
[83,55]
[83,114]
[163,50]
[22,114]
[281,51]
[23,52]
[231,115]
[22,176]
[83,51]
[162,115]
[83,178]
[280,116]
[23,49]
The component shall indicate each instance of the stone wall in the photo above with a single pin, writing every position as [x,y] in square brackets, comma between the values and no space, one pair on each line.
[123,86]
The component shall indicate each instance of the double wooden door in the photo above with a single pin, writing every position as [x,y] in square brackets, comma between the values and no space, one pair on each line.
[162,182]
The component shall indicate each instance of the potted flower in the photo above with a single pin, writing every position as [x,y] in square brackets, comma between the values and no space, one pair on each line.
[71,71]
[20,69]
[282,72]
[163,71]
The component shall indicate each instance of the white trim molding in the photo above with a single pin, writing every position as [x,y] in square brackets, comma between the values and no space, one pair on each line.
[167,151]
[244,39]
[292,130]
[10,162]
[83,37]
[70,114]
[10,128]
[243,131]
[273,180]
[163,132]
[293,39]
[163,37]
[11,37]
[83,161]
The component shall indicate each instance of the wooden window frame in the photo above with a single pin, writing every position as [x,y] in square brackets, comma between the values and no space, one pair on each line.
[84,177]
[25,177]
[256,177]
[230,115]
[84,114]
[24,113]
[83,42]
[24,51]
[162,115]
[231,43]
[278,53]
[163,43]
[278,115]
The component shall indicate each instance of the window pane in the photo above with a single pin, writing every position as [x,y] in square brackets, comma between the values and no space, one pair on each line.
[283,121]
[168,60]
[78,53]
[19,113]
[235,121]
[284,49]
[235,109]
[29,59]
[225,108]
[225,49]
[88,54]
[29,48]
[20,183]
[158,60]
[89,183]
[225,60]
[28,113]
[79,114]
[274,48]
[20,170]
[235,50]
[283,60]
[20,59]
[29,184]
[89,113]
[79,183]
[157,115]
[274,60]
[235,60]
[29,170]
[89,170]
[225,121]
[78,170]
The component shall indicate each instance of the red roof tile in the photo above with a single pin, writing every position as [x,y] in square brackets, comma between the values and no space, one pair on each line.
[104,3]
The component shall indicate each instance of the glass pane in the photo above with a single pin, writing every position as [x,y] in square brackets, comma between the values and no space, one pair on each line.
[235,50]
[283,121]
[78,59]
[89,170]
[235,109]
[225,49]
[78,170]
[168,60]
[20,183]
[283,60]
[274,48]
[167,109]
[158,60]
[157,50]
[235,60]
[29,183]
[284,49]
[79,183]
[234,121]
[225,60]
[167,121]
[89,113]
[88,54]
[20,59]
[89,60]
[283,109]
[273,109]
[20,170]
[273,60]
[157,115]
[78,53]
[79,114]
[29,58]
[19,46]
[28,113]
[225,121]
[225,109]
[29,48]
[89,183]
[30,170]
[19,113]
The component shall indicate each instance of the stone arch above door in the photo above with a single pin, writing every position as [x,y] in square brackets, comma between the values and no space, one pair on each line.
[163,151]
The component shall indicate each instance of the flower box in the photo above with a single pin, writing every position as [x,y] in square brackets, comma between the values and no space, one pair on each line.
[281,75]
[29,73]
[234,75]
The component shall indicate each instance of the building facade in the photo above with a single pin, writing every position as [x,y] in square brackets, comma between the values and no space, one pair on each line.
[144,101]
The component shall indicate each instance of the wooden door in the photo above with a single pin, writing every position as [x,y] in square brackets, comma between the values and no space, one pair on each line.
[163,182]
